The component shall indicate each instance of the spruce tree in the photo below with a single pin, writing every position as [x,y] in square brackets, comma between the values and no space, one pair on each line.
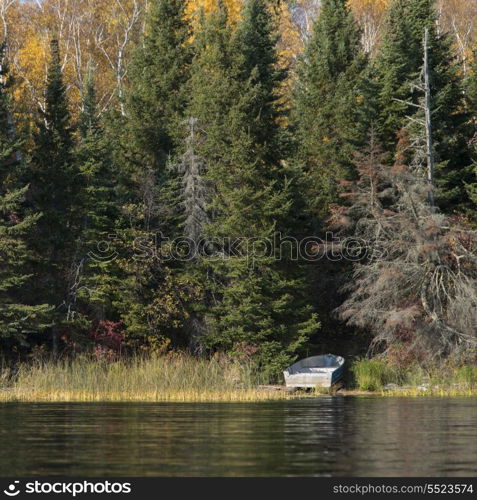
[398,67]
[159,71]
[471,99]
[56,193]
[149,138]
[256,39]
[327,102]
[471,92]
[55,176]
[151,133]
[255,302]
[194,193]
[100,206]
[18,317]
[94,156]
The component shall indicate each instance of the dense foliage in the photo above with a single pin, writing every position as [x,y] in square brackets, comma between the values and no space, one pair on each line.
[187,212]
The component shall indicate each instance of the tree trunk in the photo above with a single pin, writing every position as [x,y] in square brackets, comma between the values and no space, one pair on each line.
[428,111]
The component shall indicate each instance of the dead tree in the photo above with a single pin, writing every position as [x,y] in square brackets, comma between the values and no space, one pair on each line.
[424,121]
[416,290]
[428,119]
[195,193]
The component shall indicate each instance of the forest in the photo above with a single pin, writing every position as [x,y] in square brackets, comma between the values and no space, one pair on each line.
[255,180]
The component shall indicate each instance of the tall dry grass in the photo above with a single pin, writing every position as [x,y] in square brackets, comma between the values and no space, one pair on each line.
[166,378]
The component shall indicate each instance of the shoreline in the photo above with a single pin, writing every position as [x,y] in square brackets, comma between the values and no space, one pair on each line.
[273,393]
[182,378]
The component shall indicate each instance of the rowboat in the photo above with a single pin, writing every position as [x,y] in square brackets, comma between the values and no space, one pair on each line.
[316,371]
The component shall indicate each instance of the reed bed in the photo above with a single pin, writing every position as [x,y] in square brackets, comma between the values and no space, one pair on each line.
[182,378]
[178,378]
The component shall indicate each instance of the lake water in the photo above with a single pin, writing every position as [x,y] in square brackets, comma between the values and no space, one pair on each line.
[338,436]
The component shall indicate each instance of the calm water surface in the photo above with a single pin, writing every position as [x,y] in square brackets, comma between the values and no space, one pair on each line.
[312,437]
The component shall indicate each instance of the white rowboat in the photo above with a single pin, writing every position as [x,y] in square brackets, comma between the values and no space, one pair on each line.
[317,371]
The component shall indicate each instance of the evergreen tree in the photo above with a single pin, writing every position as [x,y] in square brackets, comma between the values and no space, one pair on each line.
[152,132]
[148,297]
[18,318]
[256,39]
[255,302]
[398,68]
[137,283]
[471,98]
[96,166]
[159,71]
[56,193]
[472,189]
[99,206]
[327,103]
[471,92]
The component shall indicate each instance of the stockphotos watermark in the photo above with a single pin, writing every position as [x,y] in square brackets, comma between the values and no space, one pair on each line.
[277,247]
[67,488]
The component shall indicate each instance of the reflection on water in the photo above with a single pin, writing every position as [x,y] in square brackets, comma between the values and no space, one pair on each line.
[324,436]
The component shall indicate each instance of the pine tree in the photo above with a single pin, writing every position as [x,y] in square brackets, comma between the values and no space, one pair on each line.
[55,176]
[256,39]
[471,99]
[100,207]
[471,92]
[255,303]
[94,157]
[56,193]
[151,134]
[398,68]
[148,296]
[159,71]
[327,102]
[18,318]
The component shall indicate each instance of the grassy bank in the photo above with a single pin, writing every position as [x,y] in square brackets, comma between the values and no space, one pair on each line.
[182,378]
[170,378]
[414,380]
